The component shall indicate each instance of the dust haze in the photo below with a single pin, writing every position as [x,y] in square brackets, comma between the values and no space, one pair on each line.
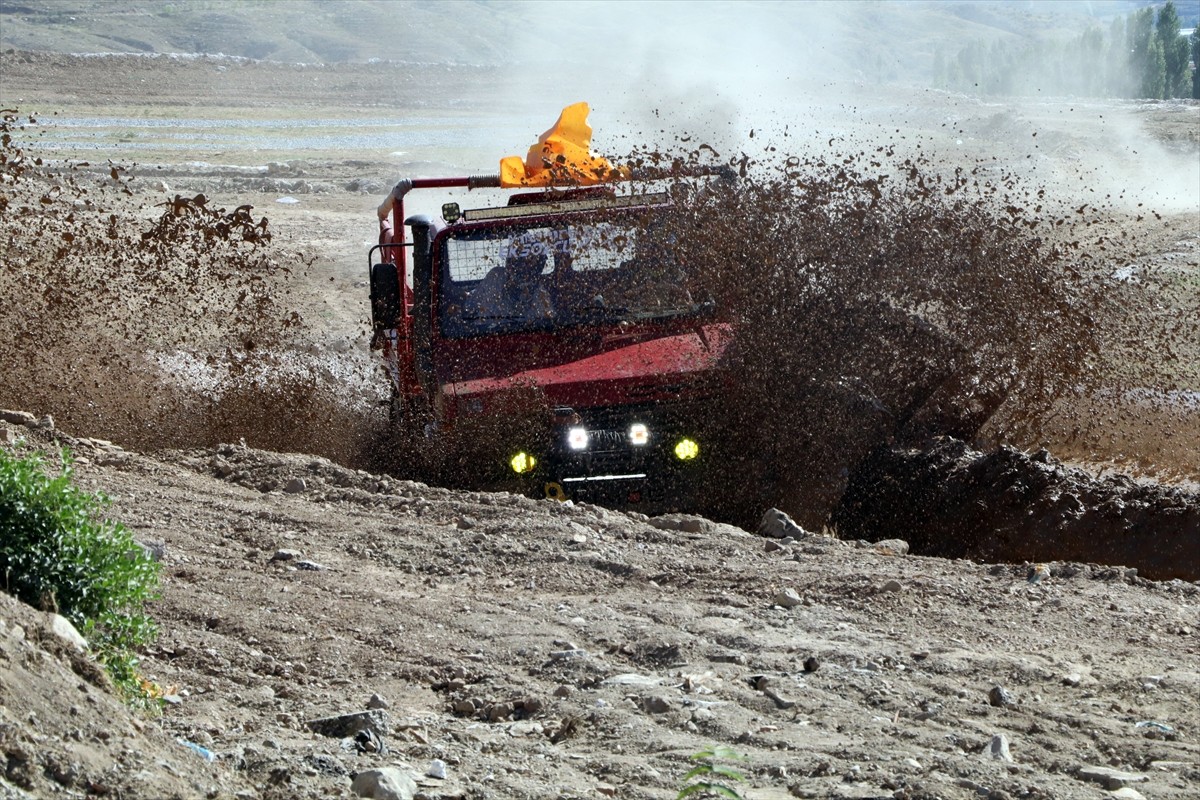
[800,74]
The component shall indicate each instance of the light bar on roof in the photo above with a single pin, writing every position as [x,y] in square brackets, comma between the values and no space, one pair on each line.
[559,206]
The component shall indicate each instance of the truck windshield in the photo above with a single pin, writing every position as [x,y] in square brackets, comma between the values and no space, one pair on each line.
[522,278]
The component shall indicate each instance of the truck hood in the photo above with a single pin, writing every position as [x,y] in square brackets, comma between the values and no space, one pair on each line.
[645,370]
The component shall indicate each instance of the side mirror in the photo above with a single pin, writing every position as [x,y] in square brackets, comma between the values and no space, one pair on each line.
[385,297]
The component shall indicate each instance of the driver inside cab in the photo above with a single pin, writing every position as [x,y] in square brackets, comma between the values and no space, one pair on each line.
[516,290]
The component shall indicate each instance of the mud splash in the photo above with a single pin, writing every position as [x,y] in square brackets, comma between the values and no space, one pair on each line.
[884,300]
[879,301]
[98,292]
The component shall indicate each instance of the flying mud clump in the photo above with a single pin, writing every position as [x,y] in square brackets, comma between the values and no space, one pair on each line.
[104,299]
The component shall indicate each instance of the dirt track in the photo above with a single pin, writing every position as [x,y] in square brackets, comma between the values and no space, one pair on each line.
[665,633]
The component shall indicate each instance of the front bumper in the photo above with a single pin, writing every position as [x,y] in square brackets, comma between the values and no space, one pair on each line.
[612,470]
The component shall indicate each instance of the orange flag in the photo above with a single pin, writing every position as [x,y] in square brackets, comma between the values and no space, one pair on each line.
[562,156]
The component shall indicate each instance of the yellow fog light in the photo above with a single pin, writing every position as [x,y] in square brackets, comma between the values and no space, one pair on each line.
[522,463]
[686,450]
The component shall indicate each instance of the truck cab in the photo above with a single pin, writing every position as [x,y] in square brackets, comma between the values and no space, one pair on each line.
[571,309]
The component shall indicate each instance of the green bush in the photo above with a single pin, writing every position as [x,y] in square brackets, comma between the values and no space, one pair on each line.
[58,554]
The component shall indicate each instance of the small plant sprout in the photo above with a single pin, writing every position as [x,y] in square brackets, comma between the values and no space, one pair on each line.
[710,778]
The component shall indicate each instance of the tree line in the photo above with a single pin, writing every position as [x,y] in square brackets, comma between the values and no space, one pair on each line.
[1142,55]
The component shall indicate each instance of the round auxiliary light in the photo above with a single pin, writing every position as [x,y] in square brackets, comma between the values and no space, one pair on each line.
[639,434]
[522,463]
[686,450]
[577,438]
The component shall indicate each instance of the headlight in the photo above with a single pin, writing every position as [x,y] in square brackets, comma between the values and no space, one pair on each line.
[577,438]
[686,450]
[522,463]
[639,434]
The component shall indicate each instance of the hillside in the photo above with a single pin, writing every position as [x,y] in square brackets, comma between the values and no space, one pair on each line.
[881,41]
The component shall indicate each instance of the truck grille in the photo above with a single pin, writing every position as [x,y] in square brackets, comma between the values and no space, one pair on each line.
[610,452]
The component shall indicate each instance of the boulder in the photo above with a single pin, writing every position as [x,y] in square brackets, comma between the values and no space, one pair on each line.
[386,783]
[776,524]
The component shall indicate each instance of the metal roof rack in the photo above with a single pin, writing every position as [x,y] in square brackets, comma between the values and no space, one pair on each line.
[559,206]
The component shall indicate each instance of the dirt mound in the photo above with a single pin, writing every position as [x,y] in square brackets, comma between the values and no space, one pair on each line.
[1007,505]
[65,733]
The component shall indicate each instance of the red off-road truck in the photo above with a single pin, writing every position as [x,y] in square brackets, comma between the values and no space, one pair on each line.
[571,300]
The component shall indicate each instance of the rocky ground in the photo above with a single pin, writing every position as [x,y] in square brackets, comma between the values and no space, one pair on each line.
[531,650]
